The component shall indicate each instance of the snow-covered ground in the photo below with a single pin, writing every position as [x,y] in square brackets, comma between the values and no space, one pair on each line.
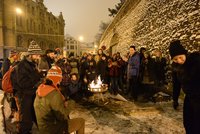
[120,117]
[1,115]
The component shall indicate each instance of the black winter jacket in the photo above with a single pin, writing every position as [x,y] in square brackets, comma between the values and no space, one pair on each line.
[187,76]
[25,78]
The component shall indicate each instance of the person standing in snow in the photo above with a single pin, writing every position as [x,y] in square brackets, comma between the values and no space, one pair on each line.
[186,75]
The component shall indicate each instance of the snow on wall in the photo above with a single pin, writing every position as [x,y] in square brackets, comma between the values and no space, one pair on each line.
[155,23]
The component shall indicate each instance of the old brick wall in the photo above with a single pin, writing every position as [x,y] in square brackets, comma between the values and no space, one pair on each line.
[154,23]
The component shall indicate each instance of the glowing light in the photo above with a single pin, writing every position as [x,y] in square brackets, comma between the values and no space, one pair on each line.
[18,10]
[81,38]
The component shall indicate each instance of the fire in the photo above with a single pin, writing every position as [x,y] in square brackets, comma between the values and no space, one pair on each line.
[96,85]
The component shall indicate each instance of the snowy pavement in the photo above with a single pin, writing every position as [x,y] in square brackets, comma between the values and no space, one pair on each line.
[120,117]
[1,115]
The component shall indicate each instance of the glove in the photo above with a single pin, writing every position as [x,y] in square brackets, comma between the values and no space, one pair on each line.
[175,105]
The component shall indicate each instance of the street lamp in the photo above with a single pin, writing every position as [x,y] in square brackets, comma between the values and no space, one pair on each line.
[95,46]
[95,49]
[81,38]
[18,11]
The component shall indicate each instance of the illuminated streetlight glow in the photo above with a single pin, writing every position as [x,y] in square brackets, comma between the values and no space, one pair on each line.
[80,38]
[18,10]
[95,46]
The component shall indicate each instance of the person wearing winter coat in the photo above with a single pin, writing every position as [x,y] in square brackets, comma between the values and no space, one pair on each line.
[90,75]
[11,61]
[46,61]
[25,82]
[13,57]
[133,72]
[98,56]
[51,108]
[102,69]
[83,66]
[113,66]
[159,63]
[90,72]
[74,88]
[122,68]
[147,80]
[74,63]
[186,76]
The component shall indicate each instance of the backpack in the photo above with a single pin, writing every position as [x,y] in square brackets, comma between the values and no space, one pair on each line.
[6,81]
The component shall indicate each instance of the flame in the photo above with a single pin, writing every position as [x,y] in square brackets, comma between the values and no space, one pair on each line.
[97,85]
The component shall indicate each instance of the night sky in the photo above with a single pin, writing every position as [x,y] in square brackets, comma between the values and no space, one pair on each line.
[82,17]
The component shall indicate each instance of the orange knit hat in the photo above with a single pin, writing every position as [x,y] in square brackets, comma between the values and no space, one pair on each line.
[55,74]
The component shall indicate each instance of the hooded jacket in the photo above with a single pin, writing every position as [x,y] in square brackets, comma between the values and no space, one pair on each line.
[51,113]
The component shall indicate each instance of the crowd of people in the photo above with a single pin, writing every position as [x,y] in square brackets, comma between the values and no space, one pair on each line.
[43,83]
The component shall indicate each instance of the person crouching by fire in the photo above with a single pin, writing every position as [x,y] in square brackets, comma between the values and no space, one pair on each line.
[74,88]
[52,111]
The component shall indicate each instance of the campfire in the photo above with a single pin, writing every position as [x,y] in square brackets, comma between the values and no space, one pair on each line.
[97,86]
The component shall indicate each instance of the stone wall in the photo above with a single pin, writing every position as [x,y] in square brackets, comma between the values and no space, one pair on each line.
[154,23]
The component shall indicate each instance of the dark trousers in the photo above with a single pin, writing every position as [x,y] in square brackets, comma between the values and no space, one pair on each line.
[12,101]
[13,104]
[133,87]
[26,113]
[114,85]
[191,114]
[120,82]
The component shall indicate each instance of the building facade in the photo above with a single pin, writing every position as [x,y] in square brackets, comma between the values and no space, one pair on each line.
[154,23]
[71,46]
[78,48]
[88,48]
[22,21]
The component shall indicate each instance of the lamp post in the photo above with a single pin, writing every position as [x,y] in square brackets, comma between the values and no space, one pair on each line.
[18,11]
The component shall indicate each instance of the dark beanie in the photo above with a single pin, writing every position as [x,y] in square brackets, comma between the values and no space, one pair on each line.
[176,48]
